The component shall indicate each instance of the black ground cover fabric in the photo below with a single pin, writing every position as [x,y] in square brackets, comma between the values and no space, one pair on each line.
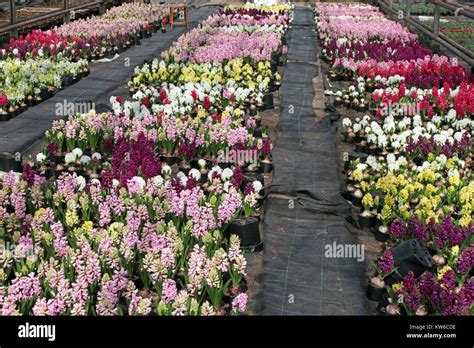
[297,277]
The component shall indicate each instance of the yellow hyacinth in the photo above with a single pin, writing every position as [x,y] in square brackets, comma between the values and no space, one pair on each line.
[443,270]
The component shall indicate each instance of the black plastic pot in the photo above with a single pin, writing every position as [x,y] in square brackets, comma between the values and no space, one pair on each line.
[250,177]
[347,195]
[268,100]
[374,293]
[355,155]
[225,165]
[380,236]
[347,165]
[185,170]
[253,111]
[9,161]
[257,133]
[249,233]
[30,102]
[274,67]
[44,93]
[136,40]
[4,117]
[411,256]
[360,147]
[169,160]
[163,30]
[366,221]
[266,167]
[67,81]
[204,178]
[357,201]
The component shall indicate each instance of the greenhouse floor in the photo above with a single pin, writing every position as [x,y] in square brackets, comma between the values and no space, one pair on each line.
[305,212]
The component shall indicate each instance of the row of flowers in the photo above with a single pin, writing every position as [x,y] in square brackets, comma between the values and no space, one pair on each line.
[103,223]
[412,173]
[35,66]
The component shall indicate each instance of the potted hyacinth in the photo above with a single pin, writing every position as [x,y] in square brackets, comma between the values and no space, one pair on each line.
[366,218]
[186,153]
[266,165]
[43,167]
[384,267]
[4,115]
[385,216]
[203,170]
[246,227]
[164,21]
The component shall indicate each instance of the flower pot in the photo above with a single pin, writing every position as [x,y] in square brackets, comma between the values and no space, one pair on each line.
[169,160]
[361,147]
[337,102]
[67,81]
[163,30]
[253,112]
[266,167]
[274,67]
[185,170]
[4,116]
[347,195]
[268,100]
[9,161]
[247,229]
[257,133]
[136,40]
[411,256]
[374,293]
[44,93]
[30,101]
[250,177]
[366,221]
[258,122]
[357,198]
[225,165]
[381,234]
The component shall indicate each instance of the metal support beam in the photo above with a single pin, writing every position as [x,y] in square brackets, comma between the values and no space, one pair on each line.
[67,15]
[437,13]
[408,9]
[13,32]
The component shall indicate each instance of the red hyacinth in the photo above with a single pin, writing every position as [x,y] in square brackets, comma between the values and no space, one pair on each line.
[3,99]
[206,103]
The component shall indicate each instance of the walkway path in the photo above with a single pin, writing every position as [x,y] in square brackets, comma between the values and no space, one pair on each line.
[297,277]
[106,79]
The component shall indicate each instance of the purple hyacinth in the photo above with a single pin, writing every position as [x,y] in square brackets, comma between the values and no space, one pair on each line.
[465,260]
[397,228]
[409,281]
[419,229]
[386,262]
